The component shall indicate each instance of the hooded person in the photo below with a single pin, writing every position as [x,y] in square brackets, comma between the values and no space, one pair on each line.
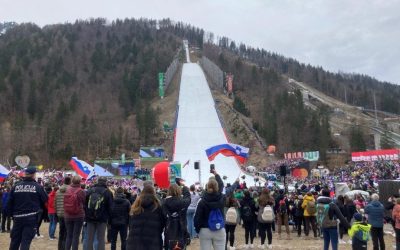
[119,219]
[359,233]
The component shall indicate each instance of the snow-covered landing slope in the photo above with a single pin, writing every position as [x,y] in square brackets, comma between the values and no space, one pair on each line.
[198,128]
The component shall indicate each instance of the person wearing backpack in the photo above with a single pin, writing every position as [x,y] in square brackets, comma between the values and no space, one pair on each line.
[174,209]
[98,207]
[146,222]
[209,221]
[248,214]
[119,220]
[194,200]
[359,233]
[59,207]
[310,211]
[265,217]
[74,213]
[231,219]
[327,214]
[282,214]
[299,214]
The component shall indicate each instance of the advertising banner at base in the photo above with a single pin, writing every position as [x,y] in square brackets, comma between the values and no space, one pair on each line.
[376,155]
[309,156]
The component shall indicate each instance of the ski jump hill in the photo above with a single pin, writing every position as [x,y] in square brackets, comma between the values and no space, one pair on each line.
[198,127]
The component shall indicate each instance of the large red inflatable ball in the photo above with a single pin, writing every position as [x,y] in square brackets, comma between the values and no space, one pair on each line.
[161,174]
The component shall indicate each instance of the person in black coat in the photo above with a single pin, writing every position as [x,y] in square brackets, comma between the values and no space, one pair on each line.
[146,223]
[176,205]
[26,199]
[248,214]
[98,224]
[349,208]
[119,220]
[299,214]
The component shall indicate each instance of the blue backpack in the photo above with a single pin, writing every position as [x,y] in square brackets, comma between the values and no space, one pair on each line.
[216,220]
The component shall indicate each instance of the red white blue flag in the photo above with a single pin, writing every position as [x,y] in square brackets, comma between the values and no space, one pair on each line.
[3,173]
[239,152]
[81,167]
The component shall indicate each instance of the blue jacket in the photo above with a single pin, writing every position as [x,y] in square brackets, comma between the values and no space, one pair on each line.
[26,198]
[375,211]
[4,201]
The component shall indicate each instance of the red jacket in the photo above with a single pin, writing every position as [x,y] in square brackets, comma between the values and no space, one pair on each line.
[50,203]
[81,200]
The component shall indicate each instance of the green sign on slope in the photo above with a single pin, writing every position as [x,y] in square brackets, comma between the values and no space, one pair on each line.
[161,84]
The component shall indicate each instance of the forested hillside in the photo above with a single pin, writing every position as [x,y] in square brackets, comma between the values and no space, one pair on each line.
[279,115]
[80,88]
[354,88]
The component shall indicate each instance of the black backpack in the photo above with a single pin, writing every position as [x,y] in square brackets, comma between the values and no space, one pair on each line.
[247,214]
[176,234]
[96,206]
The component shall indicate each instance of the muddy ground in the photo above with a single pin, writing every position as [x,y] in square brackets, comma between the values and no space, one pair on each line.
[294,243]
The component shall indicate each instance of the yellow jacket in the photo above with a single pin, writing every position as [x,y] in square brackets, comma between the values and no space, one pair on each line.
[358,226]
[306,199]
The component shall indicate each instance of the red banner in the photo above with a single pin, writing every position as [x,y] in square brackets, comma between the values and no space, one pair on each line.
[375,155]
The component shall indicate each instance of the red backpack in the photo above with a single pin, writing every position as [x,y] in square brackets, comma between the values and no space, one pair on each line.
[71,202]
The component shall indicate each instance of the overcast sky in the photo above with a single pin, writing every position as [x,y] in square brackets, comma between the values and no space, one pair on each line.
[360,36]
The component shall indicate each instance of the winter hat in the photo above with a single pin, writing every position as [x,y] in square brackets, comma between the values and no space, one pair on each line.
[358,217]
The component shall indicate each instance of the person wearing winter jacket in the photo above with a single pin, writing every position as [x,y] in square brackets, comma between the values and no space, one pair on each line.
[309,218]
[5,218]
[359,233]
[299,214]
[119,220]
[350,208]
[212,200]
[376,212]
[230,227]
[194,200]
[248,215]
[59,208]
[98,224]
[51,211]
[328,213]
[265,228]
[74,213]
[147,222]
[340,201]
[176,204]
[396,219]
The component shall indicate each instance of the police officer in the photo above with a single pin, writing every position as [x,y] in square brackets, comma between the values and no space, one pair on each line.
[27,197]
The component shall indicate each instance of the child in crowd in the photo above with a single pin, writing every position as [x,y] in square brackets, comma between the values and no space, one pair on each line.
[359,233]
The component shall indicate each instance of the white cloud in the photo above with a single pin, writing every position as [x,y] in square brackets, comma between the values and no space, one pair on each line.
[348,35]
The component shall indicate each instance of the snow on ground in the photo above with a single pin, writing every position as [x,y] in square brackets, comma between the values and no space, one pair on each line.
[198,128]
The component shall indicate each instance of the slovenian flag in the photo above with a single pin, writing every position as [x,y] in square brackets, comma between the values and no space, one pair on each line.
[81,167]
[239,152]
[3,173]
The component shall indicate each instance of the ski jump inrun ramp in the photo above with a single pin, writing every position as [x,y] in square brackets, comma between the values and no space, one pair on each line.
[198,128]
